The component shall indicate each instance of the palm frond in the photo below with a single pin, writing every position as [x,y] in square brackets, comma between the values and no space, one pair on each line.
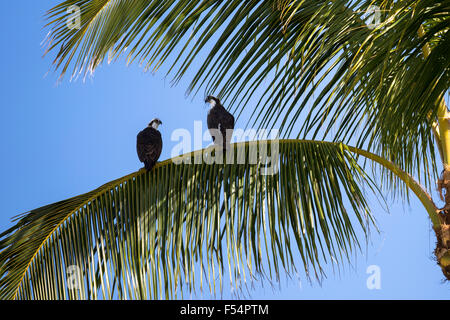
[152,235]
[315,60]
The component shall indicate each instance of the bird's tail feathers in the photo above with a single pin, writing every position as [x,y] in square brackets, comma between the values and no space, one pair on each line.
[149,165]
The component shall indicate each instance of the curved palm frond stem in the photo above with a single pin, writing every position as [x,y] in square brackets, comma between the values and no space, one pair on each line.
[444,130]
[141,236]
[410,182]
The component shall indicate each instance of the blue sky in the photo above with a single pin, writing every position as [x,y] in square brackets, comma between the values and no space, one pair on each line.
[62,140]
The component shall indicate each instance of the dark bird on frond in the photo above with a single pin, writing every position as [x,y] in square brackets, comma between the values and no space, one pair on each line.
[220,122]
[149,144]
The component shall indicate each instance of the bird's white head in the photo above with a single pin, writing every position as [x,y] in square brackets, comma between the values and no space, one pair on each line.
[213,101]
[155,123]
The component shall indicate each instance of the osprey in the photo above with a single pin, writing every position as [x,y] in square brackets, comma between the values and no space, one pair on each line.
[149,144]
[220,121]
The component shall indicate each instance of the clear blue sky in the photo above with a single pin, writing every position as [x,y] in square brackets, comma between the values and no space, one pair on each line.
[61,141]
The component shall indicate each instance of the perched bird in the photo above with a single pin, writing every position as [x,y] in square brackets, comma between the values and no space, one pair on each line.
[149,144]
[220,121]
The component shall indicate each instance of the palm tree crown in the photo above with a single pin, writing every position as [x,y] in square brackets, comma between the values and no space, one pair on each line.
[326,74]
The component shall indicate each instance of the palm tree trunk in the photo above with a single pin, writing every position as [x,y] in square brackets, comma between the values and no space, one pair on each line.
[442,135]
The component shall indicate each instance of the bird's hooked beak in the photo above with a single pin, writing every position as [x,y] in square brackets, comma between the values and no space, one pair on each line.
[155,123]
[211,100]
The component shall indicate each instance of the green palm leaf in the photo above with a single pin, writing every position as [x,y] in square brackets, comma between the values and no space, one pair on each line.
[154,235]
[315,60]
